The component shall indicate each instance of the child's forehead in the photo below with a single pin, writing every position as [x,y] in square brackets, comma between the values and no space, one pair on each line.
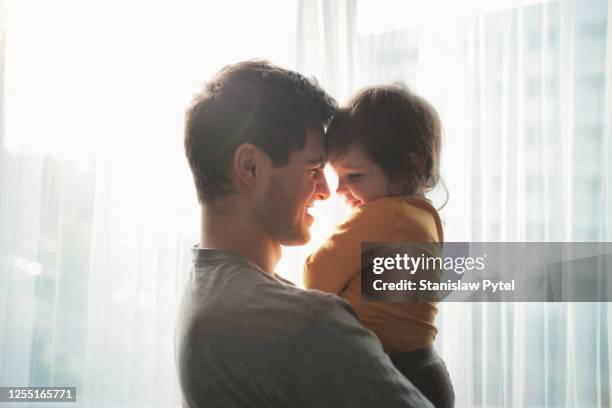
[352,158]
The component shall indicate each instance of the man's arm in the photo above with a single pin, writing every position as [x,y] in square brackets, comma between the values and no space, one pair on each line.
[338,363]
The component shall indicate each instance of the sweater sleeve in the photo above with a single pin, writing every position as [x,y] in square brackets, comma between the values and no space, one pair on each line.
[333,265]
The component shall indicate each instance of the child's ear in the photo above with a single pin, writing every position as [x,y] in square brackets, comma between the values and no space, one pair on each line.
[409,184]
[416,161]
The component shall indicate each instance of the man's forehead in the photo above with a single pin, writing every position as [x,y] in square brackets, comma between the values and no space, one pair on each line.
[314,150]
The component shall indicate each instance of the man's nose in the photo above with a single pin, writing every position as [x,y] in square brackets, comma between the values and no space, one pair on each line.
[341,187]
[322,191]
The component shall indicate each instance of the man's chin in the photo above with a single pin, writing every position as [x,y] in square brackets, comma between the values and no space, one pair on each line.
[299,239]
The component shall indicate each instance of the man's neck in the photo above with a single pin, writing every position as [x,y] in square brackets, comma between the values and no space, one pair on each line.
[234,230]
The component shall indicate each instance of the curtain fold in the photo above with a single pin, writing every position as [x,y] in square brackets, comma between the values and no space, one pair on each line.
[98,211]
[524,95]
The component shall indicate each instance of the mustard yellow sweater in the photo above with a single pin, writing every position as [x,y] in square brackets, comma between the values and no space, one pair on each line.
[335,268]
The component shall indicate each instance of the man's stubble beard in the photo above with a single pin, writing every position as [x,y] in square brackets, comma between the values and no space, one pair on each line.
[276,214]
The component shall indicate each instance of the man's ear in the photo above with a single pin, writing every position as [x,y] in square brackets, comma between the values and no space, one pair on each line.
[247,163]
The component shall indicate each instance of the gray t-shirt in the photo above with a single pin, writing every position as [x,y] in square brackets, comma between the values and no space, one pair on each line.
[247,339]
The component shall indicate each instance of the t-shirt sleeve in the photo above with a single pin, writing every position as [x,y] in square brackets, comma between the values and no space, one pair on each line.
[333,265]
[337,363]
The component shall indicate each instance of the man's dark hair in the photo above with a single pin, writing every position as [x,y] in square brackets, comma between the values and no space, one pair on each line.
[250,102]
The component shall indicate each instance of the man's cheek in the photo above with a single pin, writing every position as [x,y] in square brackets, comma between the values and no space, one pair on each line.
[310,189]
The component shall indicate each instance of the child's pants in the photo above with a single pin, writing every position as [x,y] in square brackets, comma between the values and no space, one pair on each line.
[426,370]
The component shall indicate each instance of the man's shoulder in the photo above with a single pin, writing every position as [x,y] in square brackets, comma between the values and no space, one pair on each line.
[301,305]
[255,321]
[242,298]
[309,299]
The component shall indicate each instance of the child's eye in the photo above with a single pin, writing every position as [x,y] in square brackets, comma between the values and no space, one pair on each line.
[354,177]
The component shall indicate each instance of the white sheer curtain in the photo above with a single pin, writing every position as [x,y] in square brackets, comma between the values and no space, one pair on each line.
[97,207]
[524,92]
[97,210]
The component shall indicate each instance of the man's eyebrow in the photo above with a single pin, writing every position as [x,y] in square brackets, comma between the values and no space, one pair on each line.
[319,160]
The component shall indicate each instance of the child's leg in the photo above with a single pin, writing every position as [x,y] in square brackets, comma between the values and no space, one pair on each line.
[427,371]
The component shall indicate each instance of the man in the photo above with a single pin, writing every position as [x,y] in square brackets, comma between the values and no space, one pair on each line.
[245,336]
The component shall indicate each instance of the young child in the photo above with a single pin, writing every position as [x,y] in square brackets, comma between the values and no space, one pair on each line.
[384,146]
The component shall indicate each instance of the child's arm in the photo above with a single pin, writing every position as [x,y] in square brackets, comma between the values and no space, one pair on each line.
[339,258]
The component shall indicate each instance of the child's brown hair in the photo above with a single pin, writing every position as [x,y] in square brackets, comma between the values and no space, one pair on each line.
[399,130]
